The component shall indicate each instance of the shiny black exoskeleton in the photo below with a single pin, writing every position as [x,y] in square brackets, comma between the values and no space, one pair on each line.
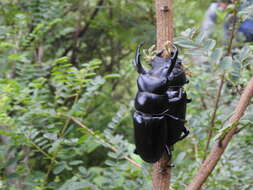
[160,106]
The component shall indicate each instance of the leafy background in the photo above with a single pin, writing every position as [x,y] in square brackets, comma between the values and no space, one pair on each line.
[67,85]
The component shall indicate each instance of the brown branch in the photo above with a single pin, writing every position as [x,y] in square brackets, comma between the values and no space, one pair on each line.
[222,78]
[164,32]
[204,106]
[211,161]
[93,15]
[164,23]
[218,149]
[232,32]
[216,106]
[81,32]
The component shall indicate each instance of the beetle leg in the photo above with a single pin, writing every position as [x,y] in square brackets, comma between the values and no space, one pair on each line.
[137,60]
[186,133]
[188,100]
[176,99]
[180,86]
[176,118]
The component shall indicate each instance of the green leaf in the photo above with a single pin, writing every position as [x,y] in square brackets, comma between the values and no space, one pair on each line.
[185,43]
[83,170]
[6,45]
[209,44]
[110,163]
[216,56]
[62,60]
[57,170]
[75,162]
[13,175]
[244,54]
[51,136]
[196,52]
[180,157]
[226,63]
[14,57]
[112,76]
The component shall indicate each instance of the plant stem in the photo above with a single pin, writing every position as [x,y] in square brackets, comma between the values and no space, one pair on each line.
[101,140]
[40,150]
[213,118]
[164,32]
[50,167]
[222,78]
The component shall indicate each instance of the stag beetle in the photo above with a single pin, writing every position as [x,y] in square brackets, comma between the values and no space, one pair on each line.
[160,105]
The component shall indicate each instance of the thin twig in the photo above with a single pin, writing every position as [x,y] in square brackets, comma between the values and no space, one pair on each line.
[203,102]
[83,31]
[50,167]
[40,150]
[213,118]
[100,139]
[222,78]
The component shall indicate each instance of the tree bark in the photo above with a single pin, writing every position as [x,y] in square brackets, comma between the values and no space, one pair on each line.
[164,23]
[164,32]
[218,149]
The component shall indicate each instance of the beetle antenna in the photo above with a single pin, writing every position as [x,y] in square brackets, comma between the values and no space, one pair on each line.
[137,60]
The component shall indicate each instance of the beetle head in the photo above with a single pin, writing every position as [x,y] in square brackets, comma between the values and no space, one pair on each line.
[162,67]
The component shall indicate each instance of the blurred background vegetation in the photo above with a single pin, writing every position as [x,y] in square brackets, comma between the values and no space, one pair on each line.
[67,85]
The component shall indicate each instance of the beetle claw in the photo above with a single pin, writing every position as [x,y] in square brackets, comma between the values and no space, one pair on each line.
[171,165]
[168,151]
[188,100]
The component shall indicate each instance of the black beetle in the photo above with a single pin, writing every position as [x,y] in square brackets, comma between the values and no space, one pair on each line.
[160,106]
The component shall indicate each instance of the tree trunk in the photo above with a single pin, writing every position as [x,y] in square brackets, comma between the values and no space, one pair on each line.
[164,32]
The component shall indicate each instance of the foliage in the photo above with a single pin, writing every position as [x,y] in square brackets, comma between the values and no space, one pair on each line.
[66,91]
